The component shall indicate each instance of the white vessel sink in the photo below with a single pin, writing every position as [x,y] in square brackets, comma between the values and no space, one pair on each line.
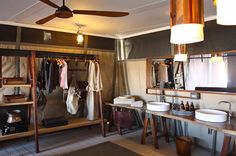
[210,115]
[158,106]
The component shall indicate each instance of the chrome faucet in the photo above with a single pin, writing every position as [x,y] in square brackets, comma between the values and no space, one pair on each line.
[230,110]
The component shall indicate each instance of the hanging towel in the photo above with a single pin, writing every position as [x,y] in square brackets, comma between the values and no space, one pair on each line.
[94,84]
[73,97]
[64,81]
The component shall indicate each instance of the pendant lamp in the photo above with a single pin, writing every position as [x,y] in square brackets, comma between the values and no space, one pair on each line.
[180,53]
[80,38]
[186,21]
[226,12]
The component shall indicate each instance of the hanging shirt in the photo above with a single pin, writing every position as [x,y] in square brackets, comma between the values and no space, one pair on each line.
[49,75]
[64,81]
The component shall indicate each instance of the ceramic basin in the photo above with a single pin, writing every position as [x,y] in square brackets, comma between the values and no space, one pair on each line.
[210,115]
[158,106]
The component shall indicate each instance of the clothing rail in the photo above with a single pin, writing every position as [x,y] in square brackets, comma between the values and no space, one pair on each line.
[40,54]
[65,56]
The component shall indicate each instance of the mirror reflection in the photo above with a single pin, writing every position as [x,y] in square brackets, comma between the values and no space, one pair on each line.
[211,72]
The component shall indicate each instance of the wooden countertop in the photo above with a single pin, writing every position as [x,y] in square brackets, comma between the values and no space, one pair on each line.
[225,127]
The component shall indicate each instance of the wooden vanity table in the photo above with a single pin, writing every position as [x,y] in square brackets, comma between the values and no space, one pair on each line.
[229,129]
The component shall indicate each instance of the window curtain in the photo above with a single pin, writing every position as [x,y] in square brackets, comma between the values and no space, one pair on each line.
[204,73]
[231,71]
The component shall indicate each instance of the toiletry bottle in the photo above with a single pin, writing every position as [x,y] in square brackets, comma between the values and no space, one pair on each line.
[187,106]
[182,106]
[174,107]
[192,107]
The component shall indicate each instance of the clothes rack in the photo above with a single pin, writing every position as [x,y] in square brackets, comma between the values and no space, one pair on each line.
[35,130]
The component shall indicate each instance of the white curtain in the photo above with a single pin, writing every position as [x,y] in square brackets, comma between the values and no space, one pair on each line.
[204,73]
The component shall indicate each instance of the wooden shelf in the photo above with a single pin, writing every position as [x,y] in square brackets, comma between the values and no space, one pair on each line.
[73,123]
[30,132]
[16,85]
[177,96]
[16,103]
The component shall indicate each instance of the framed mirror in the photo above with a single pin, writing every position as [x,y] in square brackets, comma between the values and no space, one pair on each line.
[206,72]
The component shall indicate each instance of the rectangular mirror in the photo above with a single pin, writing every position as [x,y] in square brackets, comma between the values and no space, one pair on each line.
[200,72]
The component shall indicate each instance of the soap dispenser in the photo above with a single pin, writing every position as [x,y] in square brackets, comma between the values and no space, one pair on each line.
[187,106]
[192,107]
[182,106]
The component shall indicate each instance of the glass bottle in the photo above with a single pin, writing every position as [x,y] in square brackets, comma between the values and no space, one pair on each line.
[192,107]
[187,106]
[182,106]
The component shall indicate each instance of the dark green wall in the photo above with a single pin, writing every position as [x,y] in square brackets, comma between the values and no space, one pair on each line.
[217,38]
[37,36]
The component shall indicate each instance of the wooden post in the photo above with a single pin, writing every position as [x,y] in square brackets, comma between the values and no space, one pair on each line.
[154,127]
[101,114]
[33,83]
[225,147]
[1,80]
[165,129]
[28,81]
[145,126]
[149,76]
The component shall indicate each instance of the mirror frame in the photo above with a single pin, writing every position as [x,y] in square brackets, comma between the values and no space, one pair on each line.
[149,79]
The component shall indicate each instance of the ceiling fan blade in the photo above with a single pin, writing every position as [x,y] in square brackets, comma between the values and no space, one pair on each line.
[48,2]
[101,13]
[46,19]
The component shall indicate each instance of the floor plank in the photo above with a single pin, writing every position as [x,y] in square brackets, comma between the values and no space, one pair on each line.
[57,144]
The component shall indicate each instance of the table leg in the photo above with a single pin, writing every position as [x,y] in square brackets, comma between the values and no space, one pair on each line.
[154,131]
[225,147]
[180,128]
[234,147]
[165,129]
[145,126]
[213,151]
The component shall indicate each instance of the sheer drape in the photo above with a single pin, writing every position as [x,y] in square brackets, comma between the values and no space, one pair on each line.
[204,73]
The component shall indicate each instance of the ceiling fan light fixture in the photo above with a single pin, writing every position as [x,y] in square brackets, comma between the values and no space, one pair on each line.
[226,12]
[80,38]
[187,33]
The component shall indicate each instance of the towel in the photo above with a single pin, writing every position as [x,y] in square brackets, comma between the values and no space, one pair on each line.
[137,104]
[119,100]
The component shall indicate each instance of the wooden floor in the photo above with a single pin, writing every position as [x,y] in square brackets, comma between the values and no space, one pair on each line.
[71,140]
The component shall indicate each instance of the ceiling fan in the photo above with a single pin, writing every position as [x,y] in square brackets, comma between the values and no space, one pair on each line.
[65,12]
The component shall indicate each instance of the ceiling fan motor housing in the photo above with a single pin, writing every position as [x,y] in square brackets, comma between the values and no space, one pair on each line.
[63,12]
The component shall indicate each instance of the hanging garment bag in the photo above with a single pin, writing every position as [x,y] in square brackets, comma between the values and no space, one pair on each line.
[73,98]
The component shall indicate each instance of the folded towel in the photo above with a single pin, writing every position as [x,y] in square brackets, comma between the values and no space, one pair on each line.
[119,100]
[137,104]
